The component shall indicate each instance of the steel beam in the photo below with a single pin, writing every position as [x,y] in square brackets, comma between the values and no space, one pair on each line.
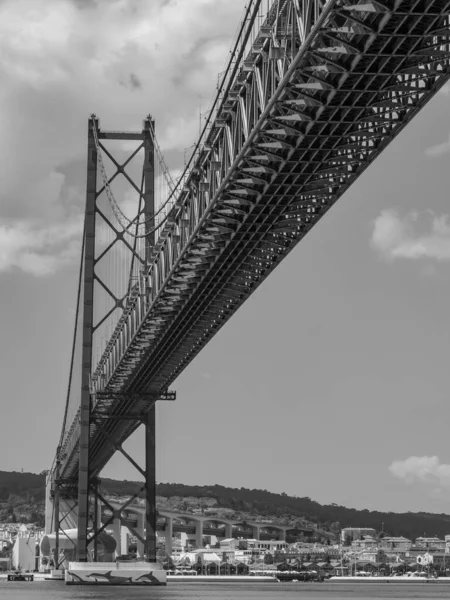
[150,447]
[150,487]
[86,361]
[56,505]
[119,135]
[95,520]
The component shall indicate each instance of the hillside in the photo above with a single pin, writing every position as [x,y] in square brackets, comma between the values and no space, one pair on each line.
[284,508]
[22,497]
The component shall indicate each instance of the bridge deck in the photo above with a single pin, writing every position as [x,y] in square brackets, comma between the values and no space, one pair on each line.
[305,115]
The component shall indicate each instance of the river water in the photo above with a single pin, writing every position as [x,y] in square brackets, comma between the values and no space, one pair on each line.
[225,591]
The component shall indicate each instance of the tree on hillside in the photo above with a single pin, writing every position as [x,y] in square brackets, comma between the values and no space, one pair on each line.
[335,527]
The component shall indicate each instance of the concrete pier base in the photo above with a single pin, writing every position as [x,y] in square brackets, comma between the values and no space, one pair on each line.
[56,574]
[115,573]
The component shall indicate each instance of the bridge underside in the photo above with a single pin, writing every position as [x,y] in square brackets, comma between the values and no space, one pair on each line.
[364,73]
[320,91]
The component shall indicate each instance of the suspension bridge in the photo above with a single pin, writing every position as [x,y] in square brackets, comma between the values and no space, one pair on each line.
[312,92]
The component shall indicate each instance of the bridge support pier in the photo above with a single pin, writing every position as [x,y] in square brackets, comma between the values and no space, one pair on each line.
[150,486]
[124,540]
[199,534]
[255,532]
[169,535]
[228,530]
[116,533]
[141,531]
[49,521]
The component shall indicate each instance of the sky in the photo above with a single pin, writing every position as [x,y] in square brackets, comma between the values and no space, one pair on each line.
[332,381]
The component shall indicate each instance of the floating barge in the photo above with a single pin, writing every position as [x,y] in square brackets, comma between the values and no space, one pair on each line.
[20,577]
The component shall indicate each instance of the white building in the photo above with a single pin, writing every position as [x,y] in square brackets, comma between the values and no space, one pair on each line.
[356,533]
[25,550]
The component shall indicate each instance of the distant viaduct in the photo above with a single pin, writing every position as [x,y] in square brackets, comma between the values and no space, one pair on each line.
[175,521]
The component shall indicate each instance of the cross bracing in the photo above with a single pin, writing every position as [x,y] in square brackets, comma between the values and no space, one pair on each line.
[319,89]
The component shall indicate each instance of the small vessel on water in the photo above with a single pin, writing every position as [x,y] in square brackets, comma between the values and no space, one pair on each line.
[19,576]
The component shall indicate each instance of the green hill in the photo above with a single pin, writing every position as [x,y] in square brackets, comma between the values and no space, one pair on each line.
[22,497]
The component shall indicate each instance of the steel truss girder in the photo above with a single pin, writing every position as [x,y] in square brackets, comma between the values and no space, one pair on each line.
[360,99]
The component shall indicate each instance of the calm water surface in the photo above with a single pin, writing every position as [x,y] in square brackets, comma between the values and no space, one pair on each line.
[224,591]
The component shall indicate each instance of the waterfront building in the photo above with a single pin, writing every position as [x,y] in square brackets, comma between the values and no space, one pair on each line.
[264,545]
[207,558]
[396,544]
[210,540]
[430,542]
[290,556]
[177,552]
[348,534]
[366,543]
[316,551]
[25,552]
[373,556]
[441,561]
[186,558]
[229,544]
[226,555]
[5,542]
[5,564]
[416,551]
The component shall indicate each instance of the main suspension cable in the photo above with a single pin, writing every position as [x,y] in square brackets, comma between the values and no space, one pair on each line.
[77,312]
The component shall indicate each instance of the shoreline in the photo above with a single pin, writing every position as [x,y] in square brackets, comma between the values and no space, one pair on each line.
[387,579]
[177,579]
[221,579]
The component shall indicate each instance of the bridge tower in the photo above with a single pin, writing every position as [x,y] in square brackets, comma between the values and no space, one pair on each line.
[86,483]
[115,250]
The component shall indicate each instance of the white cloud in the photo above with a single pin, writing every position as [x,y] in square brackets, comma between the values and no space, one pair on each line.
[37,249]
[122,59]
[394,237]
[61,60]
[421,469]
